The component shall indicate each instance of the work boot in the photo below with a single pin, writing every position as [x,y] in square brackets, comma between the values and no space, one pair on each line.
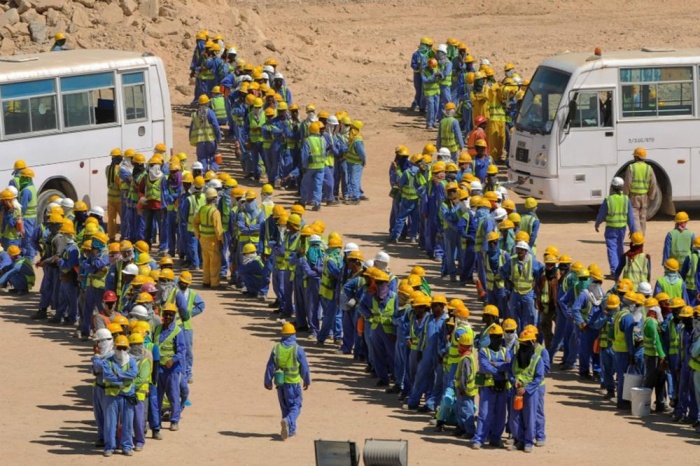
[458,432]
[393,389]
[539,443]
[382,383]
[440,426]
[174,427]
[40,314]
[285,429]
[476,446]
[157,435]
[274,304]
[316,208]
[609,395]
[54,320]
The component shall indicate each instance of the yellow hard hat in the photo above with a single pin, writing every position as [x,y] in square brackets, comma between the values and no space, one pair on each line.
[59,36]
[597,274]
[315,128]
[27,173]
[637,238]
[298,209]
[19,165]
[565,259]
[522,236]
[185,277]
[492,236]
[640,152]
[427,41]
[249,248]
[662,296]
[335,243]
[250,195]
[513,216]
[686,311]
[439,299]
[495,329]
[613,301]
[269,112]
[139,159]
[169,307]
[422,300]
[450,106]
[357,124]
[135,338]
[257,103]
[14,250]
[203,99]
[439,167]
[80,206]
[187,177]
[67,227]
[288,329]
[672,264]
[467,339]
[491,310]
[480,143]
[295,220]
[144,298]
[550,259]
[121,342]
[492,170]
[129,153]
[527,335]
[509,325]
[676,303]
[682,217]
[167,274]
[267,189]
[199,182]
[156,160]
[530,203]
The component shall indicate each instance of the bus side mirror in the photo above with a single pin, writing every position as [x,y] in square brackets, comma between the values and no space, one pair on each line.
[573,108]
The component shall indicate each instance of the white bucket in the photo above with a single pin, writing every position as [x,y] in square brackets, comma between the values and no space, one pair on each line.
[641,401]
[631,381]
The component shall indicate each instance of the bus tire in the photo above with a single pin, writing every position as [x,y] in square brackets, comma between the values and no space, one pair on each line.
[662,200]
[55,187]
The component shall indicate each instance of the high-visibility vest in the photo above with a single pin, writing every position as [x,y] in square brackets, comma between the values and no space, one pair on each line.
[142,390]
[470,389]
[218,104]
[488,378]
[113,389]
[225,214]
[446,77]
[97,279]
[383,316]
[649,342]
[692,271]
[522,281]
[196,201]
[606,335]
[186,323]
[134,188]
[28,271]
[10,232]
[291,244]
[206,224]
[493,277]
[681,244]
[154,189]
[453,356]
[674,339]
[619,343]
[255,127]
[586,311]
[202,131]
[408,190]
[254,238]
[167,346]
[618,209]
[114,183]
[641,178]
[496,110]
[674,291]
[286,360]
[327,283]
[448,138]
[526,375]
[636,269]
[433,88]
[30,213]
[351,155]
[527,223]
[317,152]
[480,234]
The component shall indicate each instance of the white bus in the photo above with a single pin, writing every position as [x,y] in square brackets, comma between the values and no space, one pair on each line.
[584,114]
[63,113]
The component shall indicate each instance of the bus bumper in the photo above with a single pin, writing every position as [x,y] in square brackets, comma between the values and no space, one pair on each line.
[533,186]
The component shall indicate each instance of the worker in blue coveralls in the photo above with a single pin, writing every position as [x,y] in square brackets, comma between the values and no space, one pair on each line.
[170,340]
[289,370]
[616,211]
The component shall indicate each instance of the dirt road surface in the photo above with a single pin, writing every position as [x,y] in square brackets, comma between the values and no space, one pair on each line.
[360,54]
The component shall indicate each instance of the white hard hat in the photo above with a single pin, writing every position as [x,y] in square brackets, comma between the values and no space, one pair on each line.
[268,69]
[197,166]
[644,288]
[214,183]
[315,239]
[522,245]
[444,151]
[97,210]
[265,76]
[485,61]
[211,193]
[617,182]
[102,334]
[350,247]
[245,77]
[500,214]
[502,191]
[13,190]
[499,195]
[442,48]
[52,205]
[279,76]
[369,263]
[332,120]
[139,311]
[130,269]
[382,257]
[231,50]
[67,203]
[476,186]
[518,80]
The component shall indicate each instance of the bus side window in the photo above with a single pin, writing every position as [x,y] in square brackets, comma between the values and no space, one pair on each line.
[29,106]
[134,90]
[587,111]
[16,116]
[88,100]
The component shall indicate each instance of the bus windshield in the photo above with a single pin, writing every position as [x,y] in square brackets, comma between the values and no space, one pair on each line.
[540,103]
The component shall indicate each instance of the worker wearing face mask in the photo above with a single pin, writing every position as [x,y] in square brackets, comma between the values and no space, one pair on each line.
[172,347]
[589,299]
[144,362]
[205,133]
[103,349]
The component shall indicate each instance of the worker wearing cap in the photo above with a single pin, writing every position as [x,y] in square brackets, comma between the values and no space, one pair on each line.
[563,329]
[172,347]
[528,372]
[492,382]
[249,221]
[356,159]
[189,305]
[467,226]
[689,272]
[432,346]
[641,186]
[198,54]
[256,121]
[172,191]
[103,349]
[671,329]
[494,259]
[118,372]
[602,320]
[623,344]
[216,66]
[288,369]
[330,276]
[654,357]
[444,75]
[205,133]
[144,363]
[20,275]
[96,266]
[137,225]
[686,406]
[12,222]
[48,292]
[671,282]
[28,201]
[190,204]
[436,194]
[589,299]
[313,160]
[449,133]
[381,306]
[616,211]
[679,241]
[114,192]
[635,264]
[408,205]
[59,44]
[419,60]
[348,295]
[68,266]
[254,274]
[464,380]
[208,230]
[125,171]
[448,217]
[285,250]
[430,80]
[218,105]
[520,274]
[151,199]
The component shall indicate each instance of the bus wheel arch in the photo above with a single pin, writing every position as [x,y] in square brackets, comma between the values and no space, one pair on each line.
[663,200]
[58,186]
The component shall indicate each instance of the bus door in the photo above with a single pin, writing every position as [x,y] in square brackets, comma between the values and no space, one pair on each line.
[137,131]
[588,141]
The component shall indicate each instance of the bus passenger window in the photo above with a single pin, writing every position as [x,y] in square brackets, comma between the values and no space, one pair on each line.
[587,111]
[134,90]
[88,100]
[43,113]
[76,110]
[29,106]
[16,116]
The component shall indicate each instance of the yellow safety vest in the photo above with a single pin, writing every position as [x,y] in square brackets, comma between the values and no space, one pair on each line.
[206,224]
[286,360]
[522,280]
[641,178]
[470,389]
[167,346]
[351,156]
[384,316]
[447,136]
[202,131]
[453,356]
[317,152]
[112,389]
[153,189]
[196,201]
[114,183]
[619,342]
[618,208]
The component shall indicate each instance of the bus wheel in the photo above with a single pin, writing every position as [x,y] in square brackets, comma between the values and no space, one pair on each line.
[663,198]
[43,201]
[655,204]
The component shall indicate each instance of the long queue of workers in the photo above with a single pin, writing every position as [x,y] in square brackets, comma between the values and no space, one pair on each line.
[322,156]
[457,95]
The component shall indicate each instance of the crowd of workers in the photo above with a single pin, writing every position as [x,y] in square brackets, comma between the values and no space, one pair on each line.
[457,95]
[419,344]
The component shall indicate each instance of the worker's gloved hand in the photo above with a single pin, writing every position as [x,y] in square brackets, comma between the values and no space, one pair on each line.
[352,302]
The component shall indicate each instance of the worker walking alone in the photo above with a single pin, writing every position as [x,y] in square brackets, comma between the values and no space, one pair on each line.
[616,212]
[289,370]
[205,133]
[641,186]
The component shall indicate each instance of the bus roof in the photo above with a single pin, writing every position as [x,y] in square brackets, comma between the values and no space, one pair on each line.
[68,62]
[583,61]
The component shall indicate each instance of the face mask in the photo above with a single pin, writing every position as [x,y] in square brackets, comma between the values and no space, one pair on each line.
[248,258]
[509,337]
[122,356]
[154,171]
[250,207]
[136,350]
[105,348]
